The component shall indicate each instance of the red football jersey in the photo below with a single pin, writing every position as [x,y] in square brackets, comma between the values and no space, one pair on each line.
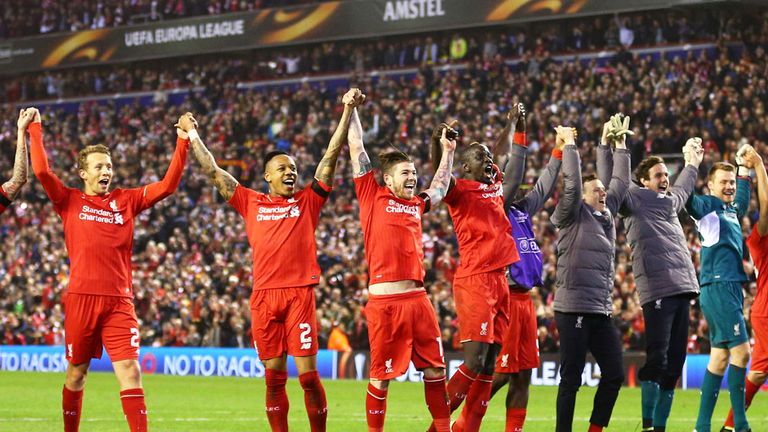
[98,229]
[281,232]
[482,227]
[758,248]
[392,230]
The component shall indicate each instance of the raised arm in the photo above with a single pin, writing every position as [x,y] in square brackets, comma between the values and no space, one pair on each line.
[361,163]
[21,163]
[436,148]
[224,182]
[327,166]
[511,156]
[515,125]
[154,192]
[619,180]
[442,178]
[53,186]
[762,191]
[545,186]
[568,206]
[743,185]
[605,156]
[693,154]
[621,165]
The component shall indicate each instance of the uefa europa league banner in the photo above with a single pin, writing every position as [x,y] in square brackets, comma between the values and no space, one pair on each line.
[347,19]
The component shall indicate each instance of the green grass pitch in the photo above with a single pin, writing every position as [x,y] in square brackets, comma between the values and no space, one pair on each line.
[31,402]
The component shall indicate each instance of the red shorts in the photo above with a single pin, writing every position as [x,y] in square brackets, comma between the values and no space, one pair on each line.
[482,305]
[760,350]
[402,328]
[283,320]
[95,322]
[520,350]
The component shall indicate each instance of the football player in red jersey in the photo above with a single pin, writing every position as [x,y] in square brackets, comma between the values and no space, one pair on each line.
[98,231]
[486,248]
[401,320]
[281,231]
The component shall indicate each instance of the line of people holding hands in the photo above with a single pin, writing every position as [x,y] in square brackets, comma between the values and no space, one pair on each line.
[500,262]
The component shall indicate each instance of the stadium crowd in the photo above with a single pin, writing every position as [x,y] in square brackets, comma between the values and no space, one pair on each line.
[29,18]
[478,45]
[191,261]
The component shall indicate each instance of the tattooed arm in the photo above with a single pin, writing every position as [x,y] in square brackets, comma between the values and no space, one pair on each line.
[442,179]
[224,182]
[361,163]
[327,166]
[21,164]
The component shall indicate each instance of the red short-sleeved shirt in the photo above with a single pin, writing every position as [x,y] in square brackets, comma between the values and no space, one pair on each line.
[758,248]
[482,227]
[281,232]
[392,229]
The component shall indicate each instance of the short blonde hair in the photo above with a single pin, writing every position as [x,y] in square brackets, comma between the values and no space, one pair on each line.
[82,155]
[720,166]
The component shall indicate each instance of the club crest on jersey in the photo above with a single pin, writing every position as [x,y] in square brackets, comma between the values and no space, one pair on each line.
[658,304]
[484,329]
[388,366]
[505,360]
[579,320]
[736,330]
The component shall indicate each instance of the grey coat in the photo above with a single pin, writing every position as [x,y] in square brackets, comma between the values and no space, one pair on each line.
[661,261]
[586,238]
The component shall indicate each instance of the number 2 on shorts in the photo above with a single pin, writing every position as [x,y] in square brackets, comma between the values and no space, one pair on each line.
[305,338]
[135,337]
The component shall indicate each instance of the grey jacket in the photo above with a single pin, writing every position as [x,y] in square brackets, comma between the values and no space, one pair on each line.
[586,238]
[661,261]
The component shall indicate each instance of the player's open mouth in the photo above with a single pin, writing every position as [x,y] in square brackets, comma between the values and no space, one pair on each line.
[410,186]
[728,192]
[489,169]
[663,188]
[104,182]
[289,182]
[602,201]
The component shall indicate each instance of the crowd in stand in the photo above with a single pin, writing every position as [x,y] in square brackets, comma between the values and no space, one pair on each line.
[21,18]
[192,262]
[532,43]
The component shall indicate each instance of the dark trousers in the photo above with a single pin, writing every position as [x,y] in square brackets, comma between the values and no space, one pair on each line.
[595,333]
[666,332]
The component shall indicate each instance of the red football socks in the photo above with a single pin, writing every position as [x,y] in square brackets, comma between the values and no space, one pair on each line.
[477,402]
[515,419]
[437,403]
[277,400]
[458,386]
[314,399]
[375,408]
[135,409]
[71,405]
